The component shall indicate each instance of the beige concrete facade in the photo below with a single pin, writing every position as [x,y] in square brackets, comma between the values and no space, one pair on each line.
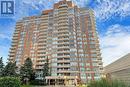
[119,69]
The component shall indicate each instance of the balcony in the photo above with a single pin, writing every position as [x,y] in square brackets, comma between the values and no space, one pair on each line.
[62,12]
[95,61]
[63,66]
[43,34]
[41,47]
[63,39]
[41,31]
[62,42]
[12,51]
[44,25]
[63,27]
[63,34]
[15,38]
[63,24]
[62,31]
[64,56]
[99,58]
[12,48]
[39,67]
[63,18]
[61,7]
[40,59]
[63,51]
[14,44]
[42,40]
[62,21]
[66,36]
[63,61]
[42,44]
[41,50]
[62,15]
[62,47]
[63,71]
[44,17]
[12,55]
[40,63]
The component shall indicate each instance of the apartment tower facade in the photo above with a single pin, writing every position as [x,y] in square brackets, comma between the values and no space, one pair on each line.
[66,36]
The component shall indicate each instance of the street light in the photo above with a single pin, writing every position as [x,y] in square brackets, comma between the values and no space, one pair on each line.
[65,80]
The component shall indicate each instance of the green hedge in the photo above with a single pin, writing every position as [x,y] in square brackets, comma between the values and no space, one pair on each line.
[9,82]
[37,82]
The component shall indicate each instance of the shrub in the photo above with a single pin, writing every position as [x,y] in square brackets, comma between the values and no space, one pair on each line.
[107,83]
[37,82]
[9,82]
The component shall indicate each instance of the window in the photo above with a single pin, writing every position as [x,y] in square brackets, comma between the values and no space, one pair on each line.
[54,64]
[82,69]
[73,64]
[88,69]
[93,55]
[54,55]
[71,11]
[95,64]
[81,64]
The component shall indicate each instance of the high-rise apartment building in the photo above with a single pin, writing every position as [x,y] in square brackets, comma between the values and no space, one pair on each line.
[67,36]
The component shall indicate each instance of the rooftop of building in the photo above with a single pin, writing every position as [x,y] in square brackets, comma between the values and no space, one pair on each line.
[120,64]
[55,6]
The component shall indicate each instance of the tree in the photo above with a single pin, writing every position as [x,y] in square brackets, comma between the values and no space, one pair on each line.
[26,71]
[1,67]
[10,69]
[46,69]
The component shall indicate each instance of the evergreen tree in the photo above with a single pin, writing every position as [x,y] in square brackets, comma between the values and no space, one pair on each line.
[46,69]
[1,67]
[10,69]
[26,70]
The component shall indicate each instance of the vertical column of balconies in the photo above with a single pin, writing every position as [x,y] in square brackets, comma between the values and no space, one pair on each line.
[82,46]
[33,40]
[15,40]
[78,43]
[50,38]
[42,42]
[42,45]
[72,42]
[53,21]
[92,46]
[26,39]
[63,51]
[99,65]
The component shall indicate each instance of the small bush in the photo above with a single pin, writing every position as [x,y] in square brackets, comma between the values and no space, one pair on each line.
[37,82]
[9,82]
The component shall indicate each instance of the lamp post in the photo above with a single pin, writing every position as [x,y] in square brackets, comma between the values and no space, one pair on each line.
[65,80]
[76,80]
